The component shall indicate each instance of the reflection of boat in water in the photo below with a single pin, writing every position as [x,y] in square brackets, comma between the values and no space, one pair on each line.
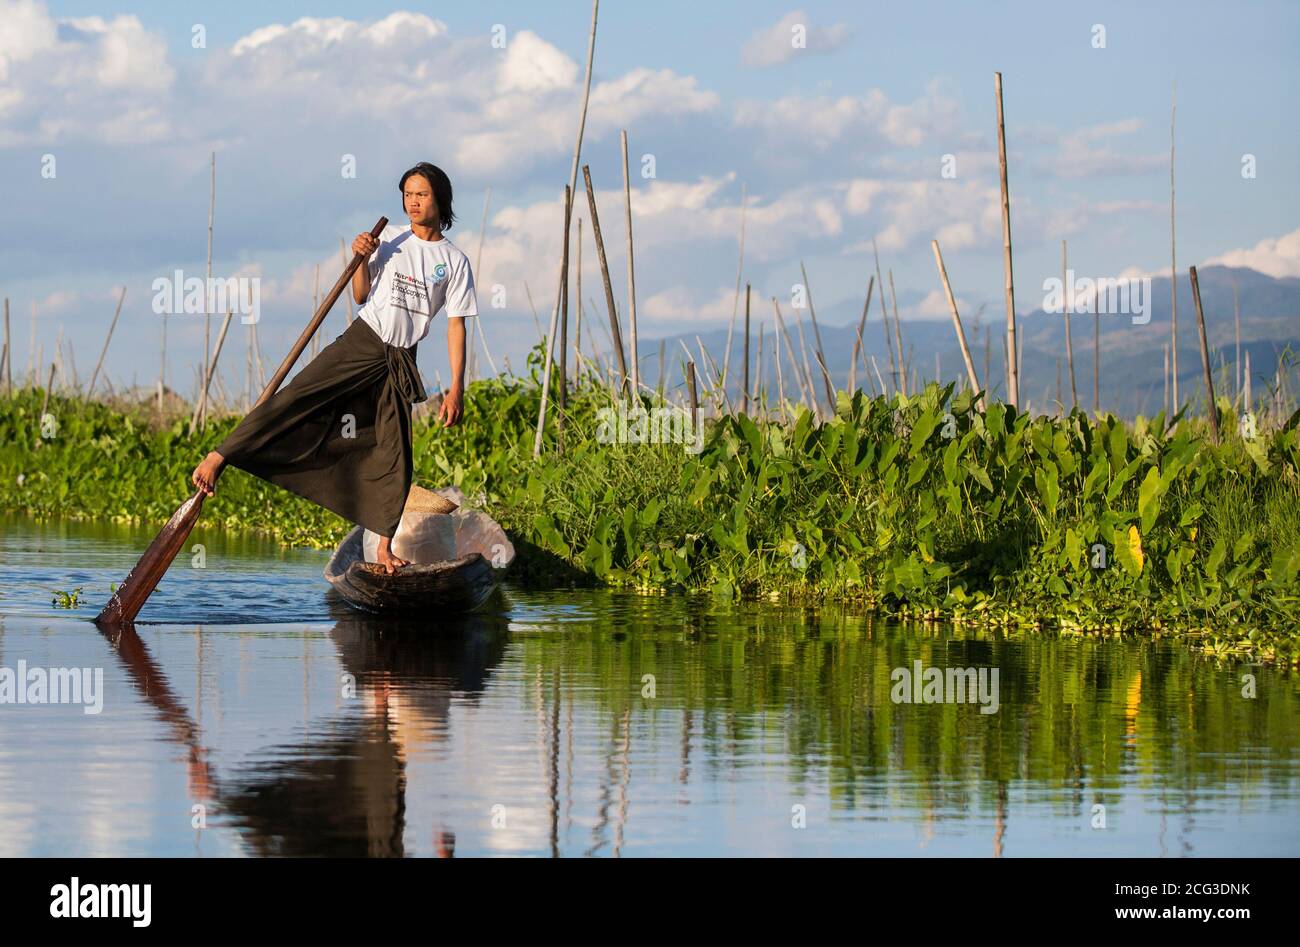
[339,788]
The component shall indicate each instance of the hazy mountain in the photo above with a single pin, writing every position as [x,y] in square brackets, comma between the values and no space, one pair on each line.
[1132,356]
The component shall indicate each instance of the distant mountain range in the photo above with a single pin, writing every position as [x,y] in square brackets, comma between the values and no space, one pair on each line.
[1131,356]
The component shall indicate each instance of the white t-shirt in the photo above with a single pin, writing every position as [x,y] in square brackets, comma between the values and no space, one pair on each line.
[410,280]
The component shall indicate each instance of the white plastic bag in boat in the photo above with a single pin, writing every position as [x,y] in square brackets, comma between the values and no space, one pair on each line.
[438,537]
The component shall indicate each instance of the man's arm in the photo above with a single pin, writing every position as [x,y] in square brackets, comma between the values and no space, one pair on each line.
[365,244]
[453,402]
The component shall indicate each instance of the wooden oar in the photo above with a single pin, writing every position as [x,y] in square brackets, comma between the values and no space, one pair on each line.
[144,578]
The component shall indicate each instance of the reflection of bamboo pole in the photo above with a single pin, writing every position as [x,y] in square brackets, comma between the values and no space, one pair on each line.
[1069,344]
[90,392]
[1213,409]
[956,324]
[1013,368]
[735,302]
[631,272]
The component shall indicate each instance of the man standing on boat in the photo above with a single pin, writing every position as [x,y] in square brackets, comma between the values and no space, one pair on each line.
[339,433]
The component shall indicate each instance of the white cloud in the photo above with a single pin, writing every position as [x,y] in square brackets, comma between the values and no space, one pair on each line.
[776,43]
[80,78]
[533,65]
[1079,156]
[1278,257]
[821,122]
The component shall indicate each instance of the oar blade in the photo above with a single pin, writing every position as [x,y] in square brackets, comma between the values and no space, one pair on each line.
[148,572]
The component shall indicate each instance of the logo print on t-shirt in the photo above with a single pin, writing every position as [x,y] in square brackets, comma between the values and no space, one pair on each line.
[439,273]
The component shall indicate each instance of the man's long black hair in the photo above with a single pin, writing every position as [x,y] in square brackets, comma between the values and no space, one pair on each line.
[441,185]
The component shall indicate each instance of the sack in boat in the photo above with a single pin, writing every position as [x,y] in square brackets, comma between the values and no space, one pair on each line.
[426,532]
[339,433]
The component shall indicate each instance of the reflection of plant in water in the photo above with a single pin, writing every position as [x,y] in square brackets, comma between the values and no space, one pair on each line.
[67,599]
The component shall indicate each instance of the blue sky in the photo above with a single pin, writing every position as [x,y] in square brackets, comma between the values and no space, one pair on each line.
[835,144]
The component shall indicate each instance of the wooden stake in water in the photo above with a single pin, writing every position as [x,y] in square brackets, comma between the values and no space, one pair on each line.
[1205,355]
[1013,369]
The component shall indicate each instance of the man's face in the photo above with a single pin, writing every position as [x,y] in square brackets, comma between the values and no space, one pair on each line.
[417,196]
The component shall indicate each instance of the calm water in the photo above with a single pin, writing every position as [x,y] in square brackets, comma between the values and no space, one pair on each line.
[527,729]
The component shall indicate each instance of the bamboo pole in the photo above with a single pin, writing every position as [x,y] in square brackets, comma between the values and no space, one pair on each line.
[478,260]
[690,387]
[33,366]
[315,304]
[1013,369]
[789,348]
[758,373]
[9,354]
[1236,319]
[90,392]
[631,274]
[956,324]
[4,359]
[562,401]
[58,358]
[207,287]
[1173,256]
[857,343]
[1246,382]
[876,369]
[900,380]
[550,339]
[1069,343]
[1205,355]
[1096,358]
[884,315]
[780,381]
[200,410]
[573,169]
[45,401]
[735,301]
[817,336]
[661,382]
[807,368]
[1165,347]
[744,381]
[616,337]
[577,295]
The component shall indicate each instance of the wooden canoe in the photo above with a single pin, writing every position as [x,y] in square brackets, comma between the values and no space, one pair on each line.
[453,585]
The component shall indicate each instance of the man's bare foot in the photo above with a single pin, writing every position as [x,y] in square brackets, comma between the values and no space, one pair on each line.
[384,556]
[205,474]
